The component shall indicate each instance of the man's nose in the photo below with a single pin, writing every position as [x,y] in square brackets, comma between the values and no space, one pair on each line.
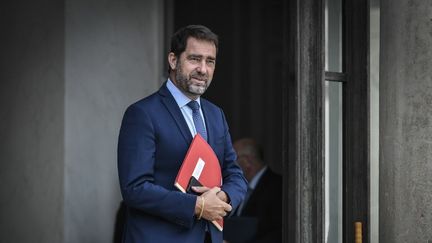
[202,68]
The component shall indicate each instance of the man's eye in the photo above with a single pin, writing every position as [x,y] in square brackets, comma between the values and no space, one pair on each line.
[211,62]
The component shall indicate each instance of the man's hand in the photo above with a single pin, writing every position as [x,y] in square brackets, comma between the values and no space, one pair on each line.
[221,194]
[214,207]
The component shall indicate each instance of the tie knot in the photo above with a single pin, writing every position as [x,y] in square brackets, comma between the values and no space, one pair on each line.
[193,105]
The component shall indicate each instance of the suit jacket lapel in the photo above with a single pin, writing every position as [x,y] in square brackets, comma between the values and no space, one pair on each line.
[172,107]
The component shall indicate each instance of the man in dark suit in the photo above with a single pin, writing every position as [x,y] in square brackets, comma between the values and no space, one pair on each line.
[154,137]
[264,197]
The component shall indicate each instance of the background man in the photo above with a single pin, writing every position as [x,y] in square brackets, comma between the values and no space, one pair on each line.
[264,197]
[154,138]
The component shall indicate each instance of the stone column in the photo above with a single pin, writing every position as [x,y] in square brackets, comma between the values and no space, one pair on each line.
[68,70]
[406,121]
[113,57]
[31,121]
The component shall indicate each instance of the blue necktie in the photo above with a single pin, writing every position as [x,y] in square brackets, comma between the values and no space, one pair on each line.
[197,119]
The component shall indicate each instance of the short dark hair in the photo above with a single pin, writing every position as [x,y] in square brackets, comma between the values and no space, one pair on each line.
[200,32]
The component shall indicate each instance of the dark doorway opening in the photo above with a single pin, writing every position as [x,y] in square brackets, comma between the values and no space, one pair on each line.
[248,77]
[269,81]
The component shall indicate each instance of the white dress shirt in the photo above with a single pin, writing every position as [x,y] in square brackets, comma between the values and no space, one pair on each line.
[182,101]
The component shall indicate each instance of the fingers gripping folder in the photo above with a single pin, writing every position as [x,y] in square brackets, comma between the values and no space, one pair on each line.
[200,167]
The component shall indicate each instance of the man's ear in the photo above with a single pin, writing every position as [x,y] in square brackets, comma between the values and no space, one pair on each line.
[172,60]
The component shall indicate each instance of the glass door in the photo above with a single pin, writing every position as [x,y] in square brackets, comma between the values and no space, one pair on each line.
[333,123]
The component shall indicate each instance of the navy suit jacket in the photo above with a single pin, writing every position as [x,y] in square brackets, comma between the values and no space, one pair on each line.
[265,203]
[153,141]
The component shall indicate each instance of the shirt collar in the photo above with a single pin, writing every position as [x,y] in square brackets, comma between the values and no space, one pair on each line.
[179,97]
[256,178]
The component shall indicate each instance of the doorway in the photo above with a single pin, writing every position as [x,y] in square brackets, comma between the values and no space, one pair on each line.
[272,83]
[248,79]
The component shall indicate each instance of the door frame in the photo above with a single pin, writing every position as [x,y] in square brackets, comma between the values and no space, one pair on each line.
[303,140]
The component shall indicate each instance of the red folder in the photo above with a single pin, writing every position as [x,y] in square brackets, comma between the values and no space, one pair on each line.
[202,163]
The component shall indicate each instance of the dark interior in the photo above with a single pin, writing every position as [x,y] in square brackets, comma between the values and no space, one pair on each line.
[248,78]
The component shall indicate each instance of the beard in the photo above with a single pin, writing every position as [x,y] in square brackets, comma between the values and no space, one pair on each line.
[188,83]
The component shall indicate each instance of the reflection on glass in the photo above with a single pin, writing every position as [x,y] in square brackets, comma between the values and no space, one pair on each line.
[333,162]
[374,38]
[333,35]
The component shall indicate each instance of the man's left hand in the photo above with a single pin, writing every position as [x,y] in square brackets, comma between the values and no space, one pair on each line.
[202,189]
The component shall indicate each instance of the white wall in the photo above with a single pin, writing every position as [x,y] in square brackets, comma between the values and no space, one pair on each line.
[113,57]
[68,70]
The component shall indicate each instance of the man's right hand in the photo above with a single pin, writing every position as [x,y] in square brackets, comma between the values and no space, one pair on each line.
[214,207]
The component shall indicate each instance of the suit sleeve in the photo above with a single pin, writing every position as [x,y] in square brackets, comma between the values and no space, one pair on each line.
[136,159]
[234,183]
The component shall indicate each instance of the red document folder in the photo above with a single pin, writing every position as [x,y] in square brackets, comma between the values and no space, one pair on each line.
[200,162]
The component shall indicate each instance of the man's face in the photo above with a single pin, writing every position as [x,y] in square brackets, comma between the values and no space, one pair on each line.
[194,68]
[246,166]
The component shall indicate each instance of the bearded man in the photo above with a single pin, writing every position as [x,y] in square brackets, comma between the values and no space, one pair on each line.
[154,137]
